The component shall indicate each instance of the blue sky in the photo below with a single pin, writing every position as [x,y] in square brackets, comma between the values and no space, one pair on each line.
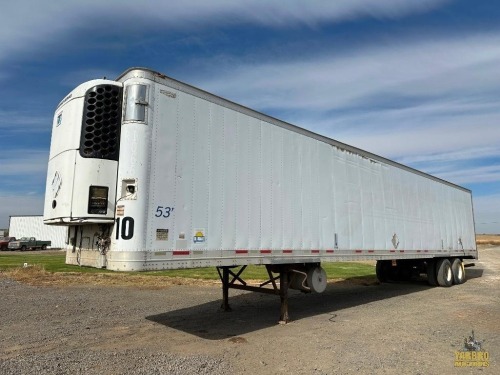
[414,81]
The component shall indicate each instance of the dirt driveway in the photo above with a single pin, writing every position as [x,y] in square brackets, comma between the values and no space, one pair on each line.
[350,329]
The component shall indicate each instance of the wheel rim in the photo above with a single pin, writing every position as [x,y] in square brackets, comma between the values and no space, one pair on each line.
[449,274]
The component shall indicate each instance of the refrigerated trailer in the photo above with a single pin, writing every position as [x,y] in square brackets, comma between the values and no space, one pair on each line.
[151,173]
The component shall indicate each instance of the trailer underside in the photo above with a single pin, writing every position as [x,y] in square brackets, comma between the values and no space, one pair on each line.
[443,272]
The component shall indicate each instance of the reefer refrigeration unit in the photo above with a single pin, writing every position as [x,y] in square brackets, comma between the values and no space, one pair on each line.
[152,173]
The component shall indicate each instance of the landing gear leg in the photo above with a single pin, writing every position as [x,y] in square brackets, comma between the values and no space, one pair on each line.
[225,289]
[284,318]
[225,273]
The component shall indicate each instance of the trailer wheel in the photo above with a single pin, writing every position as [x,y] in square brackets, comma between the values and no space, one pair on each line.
[383,270]
[431,272]
[458,270]
[444,273]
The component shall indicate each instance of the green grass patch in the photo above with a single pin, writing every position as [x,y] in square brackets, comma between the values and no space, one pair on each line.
[56,263]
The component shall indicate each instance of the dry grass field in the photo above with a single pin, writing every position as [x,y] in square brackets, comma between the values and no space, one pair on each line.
[488,239]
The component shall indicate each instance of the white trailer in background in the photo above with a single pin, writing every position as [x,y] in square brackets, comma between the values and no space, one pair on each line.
[33,226]
[151,173]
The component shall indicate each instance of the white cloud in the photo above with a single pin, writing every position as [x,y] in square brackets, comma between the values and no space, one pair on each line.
[448,66]
[24,162]
[466,166]
[29,24]
[12,204]
[453,156]
[489,173]
[19,121]
[488,203]
[434,136]
[23,173]
[487,209]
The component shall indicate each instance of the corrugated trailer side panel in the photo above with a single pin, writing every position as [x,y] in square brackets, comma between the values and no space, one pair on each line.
[219,184]
[251,185]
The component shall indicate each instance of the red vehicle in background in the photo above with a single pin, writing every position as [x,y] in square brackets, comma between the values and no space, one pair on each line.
[4,242]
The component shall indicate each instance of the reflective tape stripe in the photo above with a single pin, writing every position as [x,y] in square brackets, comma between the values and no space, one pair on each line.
[180,252]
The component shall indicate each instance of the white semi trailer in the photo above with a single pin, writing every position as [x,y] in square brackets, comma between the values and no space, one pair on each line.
[151,173]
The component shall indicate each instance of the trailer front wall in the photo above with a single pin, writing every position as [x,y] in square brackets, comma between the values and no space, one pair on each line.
[215,182]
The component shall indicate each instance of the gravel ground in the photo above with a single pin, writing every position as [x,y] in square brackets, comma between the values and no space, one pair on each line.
[397,328]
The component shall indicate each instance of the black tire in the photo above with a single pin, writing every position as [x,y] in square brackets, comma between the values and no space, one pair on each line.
[383,270]
[444,273]
[431,272]
[403,272]
[44,247]
[23,248]
[458,270]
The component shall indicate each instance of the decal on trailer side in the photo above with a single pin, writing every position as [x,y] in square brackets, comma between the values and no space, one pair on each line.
[163,211]
[199,236]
